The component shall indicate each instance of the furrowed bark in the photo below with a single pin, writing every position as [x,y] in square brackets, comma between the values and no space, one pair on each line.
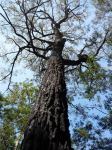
[48,127]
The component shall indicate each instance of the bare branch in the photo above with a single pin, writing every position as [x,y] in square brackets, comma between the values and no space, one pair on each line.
[48,15]
[7,19]
[103,42]
[12,68]
[38,5]
[65,17]
[37,54]
[82,58]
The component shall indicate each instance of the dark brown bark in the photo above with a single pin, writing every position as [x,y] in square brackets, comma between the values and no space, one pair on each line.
[48,127]
[81,58]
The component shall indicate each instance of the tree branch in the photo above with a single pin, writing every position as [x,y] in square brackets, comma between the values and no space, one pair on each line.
[82,58]
[37,54]
[103,42]
[7,19]
[12,68]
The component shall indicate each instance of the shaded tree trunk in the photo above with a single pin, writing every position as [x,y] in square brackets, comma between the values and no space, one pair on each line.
[48,127]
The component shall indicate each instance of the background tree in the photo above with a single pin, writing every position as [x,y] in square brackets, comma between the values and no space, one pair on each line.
[15,109]
[55,32]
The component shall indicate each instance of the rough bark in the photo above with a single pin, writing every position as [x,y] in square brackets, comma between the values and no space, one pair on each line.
[48,127]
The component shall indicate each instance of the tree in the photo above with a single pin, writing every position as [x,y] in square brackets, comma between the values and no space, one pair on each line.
[15,109]
[49,30]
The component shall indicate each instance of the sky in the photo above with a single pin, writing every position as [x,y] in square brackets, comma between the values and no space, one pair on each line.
[21,73]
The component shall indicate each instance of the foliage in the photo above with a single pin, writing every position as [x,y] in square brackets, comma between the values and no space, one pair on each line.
[15,109]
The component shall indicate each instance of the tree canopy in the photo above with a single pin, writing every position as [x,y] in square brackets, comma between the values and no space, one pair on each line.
[84,29]
[30,26]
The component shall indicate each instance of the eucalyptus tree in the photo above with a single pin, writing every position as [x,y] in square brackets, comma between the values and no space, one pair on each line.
[47,33]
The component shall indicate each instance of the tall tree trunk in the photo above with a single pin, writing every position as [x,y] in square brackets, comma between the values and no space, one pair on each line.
[48,127]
